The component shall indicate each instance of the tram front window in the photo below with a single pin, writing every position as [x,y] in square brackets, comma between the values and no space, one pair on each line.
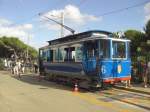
[104,49]
[119,49]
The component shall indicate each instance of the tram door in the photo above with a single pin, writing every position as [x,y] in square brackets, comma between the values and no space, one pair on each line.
[89,56]
[120,63]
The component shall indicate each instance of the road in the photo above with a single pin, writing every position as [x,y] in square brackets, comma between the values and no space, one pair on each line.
[26,94]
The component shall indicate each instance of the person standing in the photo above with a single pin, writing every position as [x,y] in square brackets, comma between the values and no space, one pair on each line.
[22,67]
[148,71]
[17,68]
[35,67]
[5,63]
[144,73]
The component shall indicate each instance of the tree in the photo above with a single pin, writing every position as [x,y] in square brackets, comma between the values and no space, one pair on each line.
[137,40]
[147,30]
[147,35]
[9,45]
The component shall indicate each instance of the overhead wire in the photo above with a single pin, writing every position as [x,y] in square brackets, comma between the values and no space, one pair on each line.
[123,9]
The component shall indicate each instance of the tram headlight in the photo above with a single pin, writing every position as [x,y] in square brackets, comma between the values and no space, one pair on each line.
[119,68]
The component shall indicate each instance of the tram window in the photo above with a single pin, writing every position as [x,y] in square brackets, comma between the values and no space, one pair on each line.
[119,49]
[78,53]
[60,54]
[48,55]
[104,49]
[91,47]
[128,47]
[44,55]
[54,55]
[73,55]
[90,53]
[70,54]
[41,53]
[66,54]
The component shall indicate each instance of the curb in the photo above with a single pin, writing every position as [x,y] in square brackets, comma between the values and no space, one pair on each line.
[132,90]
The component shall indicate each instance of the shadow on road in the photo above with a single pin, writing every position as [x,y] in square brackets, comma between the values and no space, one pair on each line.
[33,79]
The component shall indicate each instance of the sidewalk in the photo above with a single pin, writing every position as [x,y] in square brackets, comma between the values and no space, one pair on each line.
[134,88]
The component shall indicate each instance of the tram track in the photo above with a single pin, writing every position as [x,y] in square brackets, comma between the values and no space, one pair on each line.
[110,95]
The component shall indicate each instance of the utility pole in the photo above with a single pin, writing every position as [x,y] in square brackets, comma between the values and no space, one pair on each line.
[28,39]
[62,22]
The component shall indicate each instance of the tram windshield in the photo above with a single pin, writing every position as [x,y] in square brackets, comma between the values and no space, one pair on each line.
[104,49]
[118,49]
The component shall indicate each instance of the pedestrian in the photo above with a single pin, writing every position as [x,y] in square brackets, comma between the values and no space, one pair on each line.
[5,63]
[144,73]
[22,66]
[9,63]
[17,68]
[35,67]
[148,71]
[128,82]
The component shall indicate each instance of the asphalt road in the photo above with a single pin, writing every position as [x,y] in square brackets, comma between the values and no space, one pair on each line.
[29,95]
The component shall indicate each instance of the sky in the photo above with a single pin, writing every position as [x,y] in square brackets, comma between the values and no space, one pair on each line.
[27,18]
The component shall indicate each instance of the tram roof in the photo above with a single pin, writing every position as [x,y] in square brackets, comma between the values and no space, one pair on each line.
[74,37]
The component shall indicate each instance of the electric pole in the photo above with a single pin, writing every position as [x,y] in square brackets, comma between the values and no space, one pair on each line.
[28,40]
[62,22]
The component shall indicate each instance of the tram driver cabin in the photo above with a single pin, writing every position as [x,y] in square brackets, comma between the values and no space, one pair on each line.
[90,58]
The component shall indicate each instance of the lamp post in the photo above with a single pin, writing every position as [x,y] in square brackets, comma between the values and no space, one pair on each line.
[28,42]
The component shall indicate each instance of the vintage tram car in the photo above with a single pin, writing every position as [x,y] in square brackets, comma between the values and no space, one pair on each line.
[91,59]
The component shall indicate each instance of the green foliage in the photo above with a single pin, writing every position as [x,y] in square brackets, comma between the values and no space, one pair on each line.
[9,45]
[147,30]
[137,39]
[139,42]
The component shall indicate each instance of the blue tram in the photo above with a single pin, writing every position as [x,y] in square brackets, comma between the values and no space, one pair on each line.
[91,58]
